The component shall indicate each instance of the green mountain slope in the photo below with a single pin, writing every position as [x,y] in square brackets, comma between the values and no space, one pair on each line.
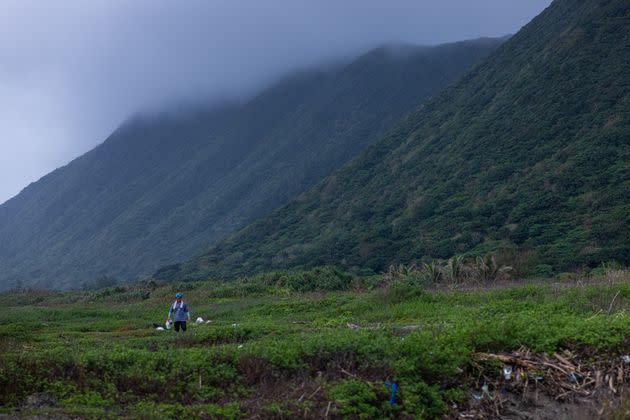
[162,189]
[529,151]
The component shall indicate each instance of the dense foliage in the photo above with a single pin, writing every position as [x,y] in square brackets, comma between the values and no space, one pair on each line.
[529,154]
[162,189]
[272,351]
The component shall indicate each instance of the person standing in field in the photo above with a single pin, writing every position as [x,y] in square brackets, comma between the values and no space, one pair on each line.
[180,312]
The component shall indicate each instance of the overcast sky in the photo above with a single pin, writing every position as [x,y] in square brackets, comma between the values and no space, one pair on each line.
[72,70]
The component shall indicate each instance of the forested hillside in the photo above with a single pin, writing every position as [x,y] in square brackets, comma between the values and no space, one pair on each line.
[161,189]
[529,153]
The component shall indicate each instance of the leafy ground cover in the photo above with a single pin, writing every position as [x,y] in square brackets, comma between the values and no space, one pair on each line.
[275,347]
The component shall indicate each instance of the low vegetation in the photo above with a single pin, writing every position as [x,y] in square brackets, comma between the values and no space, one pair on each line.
[306,344]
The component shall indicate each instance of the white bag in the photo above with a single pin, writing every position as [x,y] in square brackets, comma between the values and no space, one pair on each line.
[168,325]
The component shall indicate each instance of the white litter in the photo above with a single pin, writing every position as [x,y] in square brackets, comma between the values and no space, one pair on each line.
[199,320]
[240,346]
[160,328]
[208,321]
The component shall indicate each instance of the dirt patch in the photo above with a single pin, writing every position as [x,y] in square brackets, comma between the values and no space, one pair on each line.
[540,406]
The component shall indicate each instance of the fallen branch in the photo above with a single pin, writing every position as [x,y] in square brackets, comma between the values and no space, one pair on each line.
[613,301]
[559,376]
[314,392]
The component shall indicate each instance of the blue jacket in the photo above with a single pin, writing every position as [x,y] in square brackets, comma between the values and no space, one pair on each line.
[179,311]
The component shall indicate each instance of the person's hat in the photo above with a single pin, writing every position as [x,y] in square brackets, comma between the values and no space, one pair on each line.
[178,296]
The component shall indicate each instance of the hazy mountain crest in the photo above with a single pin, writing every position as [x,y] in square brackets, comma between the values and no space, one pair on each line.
[160,190]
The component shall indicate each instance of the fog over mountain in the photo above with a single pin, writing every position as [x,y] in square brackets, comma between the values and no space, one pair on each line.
[71,71]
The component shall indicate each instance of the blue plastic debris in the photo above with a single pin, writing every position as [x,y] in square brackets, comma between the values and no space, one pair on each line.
[392,387]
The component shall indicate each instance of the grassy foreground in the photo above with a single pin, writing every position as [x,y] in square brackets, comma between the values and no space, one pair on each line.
[272,351]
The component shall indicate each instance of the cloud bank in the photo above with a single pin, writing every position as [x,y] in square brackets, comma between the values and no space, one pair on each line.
[72,70]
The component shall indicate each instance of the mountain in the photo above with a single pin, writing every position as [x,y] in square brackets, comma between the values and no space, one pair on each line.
[527,155]
[163,188]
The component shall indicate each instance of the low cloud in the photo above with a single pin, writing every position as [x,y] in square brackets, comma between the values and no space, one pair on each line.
[71,71]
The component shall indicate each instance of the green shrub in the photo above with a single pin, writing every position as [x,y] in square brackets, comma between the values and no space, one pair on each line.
[422,401]
[432,356]
[327,279]
[543,270]
[399,291]
[354,398]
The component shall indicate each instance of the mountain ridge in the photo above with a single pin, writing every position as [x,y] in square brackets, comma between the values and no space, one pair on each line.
[527,152]
[161,190]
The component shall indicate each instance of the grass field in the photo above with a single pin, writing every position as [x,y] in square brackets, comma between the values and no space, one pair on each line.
[273,351]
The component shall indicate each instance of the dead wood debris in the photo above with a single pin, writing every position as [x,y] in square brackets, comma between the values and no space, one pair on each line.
[563,377]
[566,373]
